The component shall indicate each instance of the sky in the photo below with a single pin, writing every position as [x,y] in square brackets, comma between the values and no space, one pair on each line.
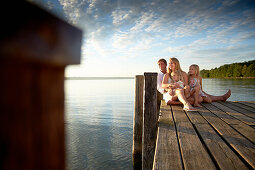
[124,38]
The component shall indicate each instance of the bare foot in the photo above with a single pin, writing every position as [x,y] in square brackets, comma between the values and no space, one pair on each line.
[226,96]
[197,105]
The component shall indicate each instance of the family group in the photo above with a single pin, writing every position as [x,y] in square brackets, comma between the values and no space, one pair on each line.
[178,87]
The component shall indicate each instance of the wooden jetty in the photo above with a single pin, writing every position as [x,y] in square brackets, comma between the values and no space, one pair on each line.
[220,135]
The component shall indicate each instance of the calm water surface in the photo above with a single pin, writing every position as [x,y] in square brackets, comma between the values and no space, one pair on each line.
[99,119]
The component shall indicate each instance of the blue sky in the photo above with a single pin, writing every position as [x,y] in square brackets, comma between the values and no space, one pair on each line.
[127,37]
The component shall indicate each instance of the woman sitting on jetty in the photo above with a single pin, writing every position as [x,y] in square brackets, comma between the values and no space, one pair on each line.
[174,66]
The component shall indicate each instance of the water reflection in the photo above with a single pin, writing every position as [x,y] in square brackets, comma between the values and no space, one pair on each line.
[99,117]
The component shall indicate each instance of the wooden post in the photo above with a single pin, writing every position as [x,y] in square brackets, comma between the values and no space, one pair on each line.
[138,122]
[35,47]
[150,120]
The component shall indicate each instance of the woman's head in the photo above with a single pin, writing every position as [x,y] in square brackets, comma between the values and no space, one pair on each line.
[194,70]
[174,65]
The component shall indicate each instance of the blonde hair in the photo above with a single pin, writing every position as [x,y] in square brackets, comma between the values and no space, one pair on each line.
[196,67]
[178,69]
[175,73]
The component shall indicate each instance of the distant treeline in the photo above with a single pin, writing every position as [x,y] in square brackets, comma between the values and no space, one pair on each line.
[245,69]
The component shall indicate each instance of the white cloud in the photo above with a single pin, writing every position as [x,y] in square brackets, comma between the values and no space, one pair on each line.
[120,16]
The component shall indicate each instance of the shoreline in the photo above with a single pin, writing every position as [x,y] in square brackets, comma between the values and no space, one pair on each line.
[228,77]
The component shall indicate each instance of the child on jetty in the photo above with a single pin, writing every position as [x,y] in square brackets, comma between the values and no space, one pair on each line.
[195,83]
[178,84]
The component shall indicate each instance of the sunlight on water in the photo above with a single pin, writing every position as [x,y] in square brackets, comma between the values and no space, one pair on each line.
[99,119]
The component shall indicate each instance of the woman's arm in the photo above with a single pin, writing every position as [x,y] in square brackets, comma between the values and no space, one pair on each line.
[165,83]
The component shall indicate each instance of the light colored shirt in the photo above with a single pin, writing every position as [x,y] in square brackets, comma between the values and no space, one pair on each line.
[159,82]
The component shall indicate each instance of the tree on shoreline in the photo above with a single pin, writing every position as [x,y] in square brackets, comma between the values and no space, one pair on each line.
[244,69]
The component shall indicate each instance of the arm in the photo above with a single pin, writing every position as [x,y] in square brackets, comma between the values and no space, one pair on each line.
[200,82]
[165,83]
[185,78]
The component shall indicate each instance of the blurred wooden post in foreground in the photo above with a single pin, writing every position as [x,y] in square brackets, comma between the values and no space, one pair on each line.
[35,47]
[138,122]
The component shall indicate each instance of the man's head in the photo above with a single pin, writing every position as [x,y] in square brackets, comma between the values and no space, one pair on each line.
[162,65]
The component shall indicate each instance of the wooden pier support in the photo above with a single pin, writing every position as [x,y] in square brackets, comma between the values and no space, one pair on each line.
[145,120]
[35,47]
[138,122]
[150,120]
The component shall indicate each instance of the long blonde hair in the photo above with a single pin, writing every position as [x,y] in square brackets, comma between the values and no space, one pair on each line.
[196,67]
[178,69]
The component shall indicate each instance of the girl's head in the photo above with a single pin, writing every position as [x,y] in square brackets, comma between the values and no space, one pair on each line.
[175,76]
[174,65]
[194,70]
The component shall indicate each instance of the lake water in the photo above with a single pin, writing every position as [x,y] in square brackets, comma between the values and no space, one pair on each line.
[99,119]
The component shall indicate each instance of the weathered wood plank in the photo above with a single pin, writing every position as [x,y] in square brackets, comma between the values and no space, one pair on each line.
[240,144]
[241,127]
[223,155]
[167,154]
[251,109]
[240,110]
[248,103]
[234,113]
[193,152]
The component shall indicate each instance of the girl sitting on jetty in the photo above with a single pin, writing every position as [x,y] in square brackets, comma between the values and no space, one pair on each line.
[195,83]
[178,84]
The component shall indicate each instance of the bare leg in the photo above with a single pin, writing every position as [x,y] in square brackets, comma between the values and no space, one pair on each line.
[220,98]
[196,96]
[187,92]
[207,99]
[182,98]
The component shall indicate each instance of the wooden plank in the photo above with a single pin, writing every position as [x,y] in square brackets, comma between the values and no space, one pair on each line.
[251,109]
[248,103]
[240,144]
[193,152]
[238,109]
[223,155]
[241,127]
[167,154]
[234,113]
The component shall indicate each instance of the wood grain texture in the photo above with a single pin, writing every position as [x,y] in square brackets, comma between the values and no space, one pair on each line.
[193,152]
[32,116]
[223,155]
[138,122]
[235,114]
[238,109]
[240,144]
[150,118]
[239,126]
[167,153]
